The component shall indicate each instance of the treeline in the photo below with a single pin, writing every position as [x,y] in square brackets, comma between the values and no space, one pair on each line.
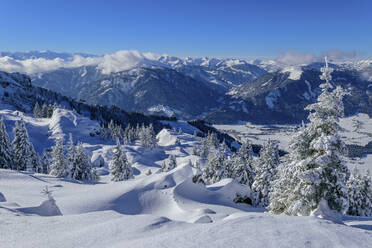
[20,155]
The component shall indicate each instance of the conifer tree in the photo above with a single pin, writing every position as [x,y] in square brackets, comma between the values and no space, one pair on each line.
[204,148]
[314,170]
[355,193]
[214,169]
[242,164]
[82,170]
[37,110]
[6,152]
[265,173]
[44,111]
[367,191]
[170,165]
[120,168]
[21,147]
[35,163]
[172,162]
[51,109]
[58,165]
[195,150]
[45,162]
[71,156]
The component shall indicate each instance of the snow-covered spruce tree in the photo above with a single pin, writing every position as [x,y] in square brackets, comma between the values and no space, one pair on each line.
[265,173]
[44,111]
[37,111]
[147,137]
[71,157]
[212,140]
[360,194]
[172,162]
[45,162]
[314,170]
[214,169]
[51,109]
[6,152]
[170,165]
[21,147]
[58,165]
[195,150]
[367,191]
[152,143]
[204,148]
[82,170]
[241,165]
[120,168]
[355,185]
[177,142]
[35,163]
[129,135]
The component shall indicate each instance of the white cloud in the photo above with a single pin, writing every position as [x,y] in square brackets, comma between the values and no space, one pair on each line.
[115,62]
[292,57]
[339,55]
[296,58]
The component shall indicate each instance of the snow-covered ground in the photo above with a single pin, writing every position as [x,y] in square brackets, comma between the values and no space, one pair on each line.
[163,209]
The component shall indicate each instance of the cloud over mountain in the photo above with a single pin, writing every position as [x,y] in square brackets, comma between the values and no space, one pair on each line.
[118,61]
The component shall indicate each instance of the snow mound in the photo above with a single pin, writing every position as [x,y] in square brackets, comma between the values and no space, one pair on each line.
[203,219]
[2,198]
[324,212]
[46,208]
[65,121]
[166,138]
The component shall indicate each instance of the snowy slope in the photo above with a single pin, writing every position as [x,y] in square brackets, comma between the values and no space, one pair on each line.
[164,209]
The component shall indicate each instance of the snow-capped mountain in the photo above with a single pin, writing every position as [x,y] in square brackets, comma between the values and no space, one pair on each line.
[45,54]
[280,97]
[222,90]
[18,93]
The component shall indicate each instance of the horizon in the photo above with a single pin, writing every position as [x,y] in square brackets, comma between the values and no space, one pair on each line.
[239,29]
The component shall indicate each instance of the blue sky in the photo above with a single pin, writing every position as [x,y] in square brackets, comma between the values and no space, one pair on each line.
[229,28]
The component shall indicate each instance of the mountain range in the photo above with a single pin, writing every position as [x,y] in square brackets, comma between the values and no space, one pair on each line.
[216,90]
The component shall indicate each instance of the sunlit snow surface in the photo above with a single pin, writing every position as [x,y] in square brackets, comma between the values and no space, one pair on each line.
[164,209]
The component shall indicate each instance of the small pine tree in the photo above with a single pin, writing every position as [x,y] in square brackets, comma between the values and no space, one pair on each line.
[35,163]
[152,137]
[6,152]
[44,111]
[172,162]
[58,165]
[367,191]
[265,173]
[45,163]
[204,148]
[177,142]
[21,147]
[51,109]
[37,111]
[163,166]
[354,185]
[242,164]
[120,168]
[195,150]
[82,170]
[71,157]
[215,168]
